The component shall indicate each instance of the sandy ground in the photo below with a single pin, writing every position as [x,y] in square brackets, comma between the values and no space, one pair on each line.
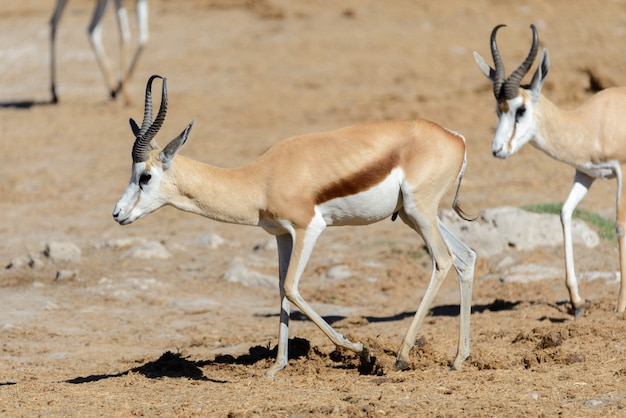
[121,336]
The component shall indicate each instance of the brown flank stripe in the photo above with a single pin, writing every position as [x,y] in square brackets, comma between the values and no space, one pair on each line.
[360,181]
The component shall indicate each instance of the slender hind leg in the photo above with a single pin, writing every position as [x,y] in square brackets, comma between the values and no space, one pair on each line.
[464,262]
[54,22]
[127,66]
[621,239]
[125,37]
[95,38]
[442,260]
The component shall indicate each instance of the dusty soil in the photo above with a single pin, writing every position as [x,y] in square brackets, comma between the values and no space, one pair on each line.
[121,336]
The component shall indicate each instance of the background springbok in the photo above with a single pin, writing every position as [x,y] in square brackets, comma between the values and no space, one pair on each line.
[591,138]
[352,176]
[94,30]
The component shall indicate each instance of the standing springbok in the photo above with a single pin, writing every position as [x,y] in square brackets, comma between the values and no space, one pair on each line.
[352,176]
[591,138]
[95,37]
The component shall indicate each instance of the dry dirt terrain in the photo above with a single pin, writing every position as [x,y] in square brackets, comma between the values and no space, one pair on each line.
[112,333]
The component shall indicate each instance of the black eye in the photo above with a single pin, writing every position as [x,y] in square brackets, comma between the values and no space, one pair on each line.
[144,179]
[519,113]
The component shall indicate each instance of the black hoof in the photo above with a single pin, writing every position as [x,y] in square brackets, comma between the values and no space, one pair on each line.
[577,311]
[365,355]
[368,365]
[401,365]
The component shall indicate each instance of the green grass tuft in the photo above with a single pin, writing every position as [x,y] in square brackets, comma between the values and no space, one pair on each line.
[605,227]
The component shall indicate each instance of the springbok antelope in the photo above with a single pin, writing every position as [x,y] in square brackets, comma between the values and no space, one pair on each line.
[591,138]
[352,176]
[95,37]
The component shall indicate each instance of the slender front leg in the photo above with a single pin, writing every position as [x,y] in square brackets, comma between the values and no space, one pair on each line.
[285,245]
[303,243]
[582,183]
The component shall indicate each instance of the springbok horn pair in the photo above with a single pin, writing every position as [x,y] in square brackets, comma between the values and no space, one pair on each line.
[507,88]
[145,135]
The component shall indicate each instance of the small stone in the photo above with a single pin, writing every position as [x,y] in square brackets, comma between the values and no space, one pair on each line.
[147,250]
[66,275]
[338,272]
[211,240]
[19,262]
[62,251]
[237,272]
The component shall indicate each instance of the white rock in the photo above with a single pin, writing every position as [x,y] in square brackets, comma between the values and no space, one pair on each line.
[526,273]
[147,250]
[501,228]
[338,272]
[19,262]
[62,251]
[211,240]
[610,276]
[66,275]
[237,272]
[118,243]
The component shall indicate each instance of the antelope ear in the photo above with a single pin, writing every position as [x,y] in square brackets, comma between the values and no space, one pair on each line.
[540,74]
[169,152]
[485,68]
[135,128]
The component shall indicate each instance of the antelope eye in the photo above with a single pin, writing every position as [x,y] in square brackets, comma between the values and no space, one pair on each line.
[144,179]
[519,113]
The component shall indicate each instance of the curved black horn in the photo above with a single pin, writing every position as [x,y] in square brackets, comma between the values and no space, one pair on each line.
[160,117]
[147,112]
[500,75]
[149,129]
[511,85]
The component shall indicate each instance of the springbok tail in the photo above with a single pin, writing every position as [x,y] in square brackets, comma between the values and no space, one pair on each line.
[455,204]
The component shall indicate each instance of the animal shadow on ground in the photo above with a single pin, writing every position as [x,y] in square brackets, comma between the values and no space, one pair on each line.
[442,310]
[25,104]
[168,365]
[174,365]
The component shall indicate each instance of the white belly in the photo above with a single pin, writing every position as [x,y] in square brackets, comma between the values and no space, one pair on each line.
[603,170]
[367,207]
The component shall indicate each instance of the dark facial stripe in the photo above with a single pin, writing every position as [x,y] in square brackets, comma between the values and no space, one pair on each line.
[503,106]
[360,181]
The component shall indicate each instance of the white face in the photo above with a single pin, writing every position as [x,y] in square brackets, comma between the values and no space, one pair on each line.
[142,196]
[515,126]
